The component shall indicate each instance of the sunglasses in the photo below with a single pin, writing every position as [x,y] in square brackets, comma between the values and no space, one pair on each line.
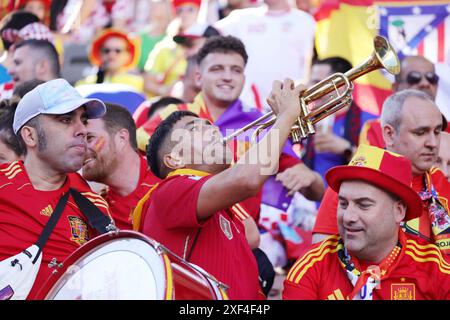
[185,8]
[414,77]
[108,50]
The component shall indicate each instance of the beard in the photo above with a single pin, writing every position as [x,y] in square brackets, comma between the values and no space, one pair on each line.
[99,168]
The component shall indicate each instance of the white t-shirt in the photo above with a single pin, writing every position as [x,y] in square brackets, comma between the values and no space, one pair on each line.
[443,93]
[278,46]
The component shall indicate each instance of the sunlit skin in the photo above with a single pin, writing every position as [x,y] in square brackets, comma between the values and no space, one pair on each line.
[101,157]
[23,68]
[197,144]
[60,148]
[36,7]
[421,65]
[65,141]
[368,220]
[418,136]
[443,160]
[187,14]
[117,57]
[221,77]
[6,154]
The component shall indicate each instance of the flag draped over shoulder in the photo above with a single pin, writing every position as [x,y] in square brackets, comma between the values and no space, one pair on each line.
[346,28]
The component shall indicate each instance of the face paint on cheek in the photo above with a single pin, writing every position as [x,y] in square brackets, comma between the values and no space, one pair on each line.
[99,144]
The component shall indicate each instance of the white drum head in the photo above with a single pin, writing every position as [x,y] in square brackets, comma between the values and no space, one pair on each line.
[120,269]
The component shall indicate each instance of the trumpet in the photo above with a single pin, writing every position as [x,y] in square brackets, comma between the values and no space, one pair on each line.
[383,57]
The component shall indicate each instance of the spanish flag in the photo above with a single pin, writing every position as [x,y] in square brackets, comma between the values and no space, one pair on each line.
[346,28]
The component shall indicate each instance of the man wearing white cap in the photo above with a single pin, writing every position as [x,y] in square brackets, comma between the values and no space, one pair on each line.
[51,120]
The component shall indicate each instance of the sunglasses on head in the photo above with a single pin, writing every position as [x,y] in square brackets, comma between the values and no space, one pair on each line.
[414,77]
[115,50]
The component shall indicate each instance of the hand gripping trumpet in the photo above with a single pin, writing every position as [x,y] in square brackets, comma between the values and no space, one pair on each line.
[383,57]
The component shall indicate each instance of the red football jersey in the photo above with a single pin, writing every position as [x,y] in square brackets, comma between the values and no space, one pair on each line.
[221,248]
[24,212]
[326,221]
[420,272]
[122,207]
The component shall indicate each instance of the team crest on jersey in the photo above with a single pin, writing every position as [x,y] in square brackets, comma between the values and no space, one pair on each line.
[359,162]
[226,227]
[47,211]
[403,291]
[78,229]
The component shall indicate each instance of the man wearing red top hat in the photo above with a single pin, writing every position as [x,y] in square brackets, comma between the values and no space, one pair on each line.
[114,53]
[412,125]
[372,258]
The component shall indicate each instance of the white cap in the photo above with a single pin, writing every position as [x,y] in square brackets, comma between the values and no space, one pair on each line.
[54,97]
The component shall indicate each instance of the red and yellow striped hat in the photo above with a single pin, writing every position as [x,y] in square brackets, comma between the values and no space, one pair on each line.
[386,170]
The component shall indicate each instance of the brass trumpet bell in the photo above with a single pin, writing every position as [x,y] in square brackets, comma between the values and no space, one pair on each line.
[383,57]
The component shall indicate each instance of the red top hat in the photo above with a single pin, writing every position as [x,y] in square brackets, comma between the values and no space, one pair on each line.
[97,44]
[386,170]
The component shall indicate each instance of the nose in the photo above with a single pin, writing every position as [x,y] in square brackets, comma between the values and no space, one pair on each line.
[432,140]
[80,129]
[349,215]
[424,83]
[227,75]
[12,71]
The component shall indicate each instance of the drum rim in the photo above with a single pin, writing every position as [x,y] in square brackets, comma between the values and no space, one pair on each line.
[87,247]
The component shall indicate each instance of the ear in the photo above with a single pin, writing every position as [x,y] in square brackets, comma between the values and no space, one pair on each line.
[399,211]
[198,77]
[122,138]
[388,134]
[29,136]
[173,161]
[42,68]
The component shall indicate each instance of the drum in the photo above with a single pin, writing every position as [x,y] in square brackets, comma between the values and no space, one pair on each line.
[129,266]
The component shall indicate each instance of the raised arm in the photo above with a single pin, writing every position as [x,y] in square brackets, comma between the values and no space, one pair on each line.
[247,176]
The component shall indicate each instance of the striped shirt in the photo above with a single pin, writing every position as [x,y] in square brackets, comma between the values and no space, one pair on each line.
[420,273]
[24,212]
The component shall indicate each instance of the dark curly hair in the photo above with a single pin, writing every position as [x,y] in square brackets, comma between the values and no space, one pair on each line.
[222,44]
[157,142]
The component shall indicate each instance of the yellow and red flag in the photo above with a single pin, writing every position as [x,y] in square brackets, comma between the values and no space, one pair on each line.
[346,28]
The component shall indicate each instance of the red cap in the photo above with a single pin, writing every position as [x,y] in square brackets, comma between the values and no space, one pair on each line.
[178,3]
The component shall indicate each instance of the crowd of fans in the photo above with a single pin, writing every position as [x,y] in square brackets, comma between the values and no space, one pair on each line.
[136,71]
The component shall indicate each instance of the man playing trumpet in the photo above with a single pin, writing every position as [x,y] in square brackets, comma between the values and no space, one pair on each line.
[220,76]
[191,211]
